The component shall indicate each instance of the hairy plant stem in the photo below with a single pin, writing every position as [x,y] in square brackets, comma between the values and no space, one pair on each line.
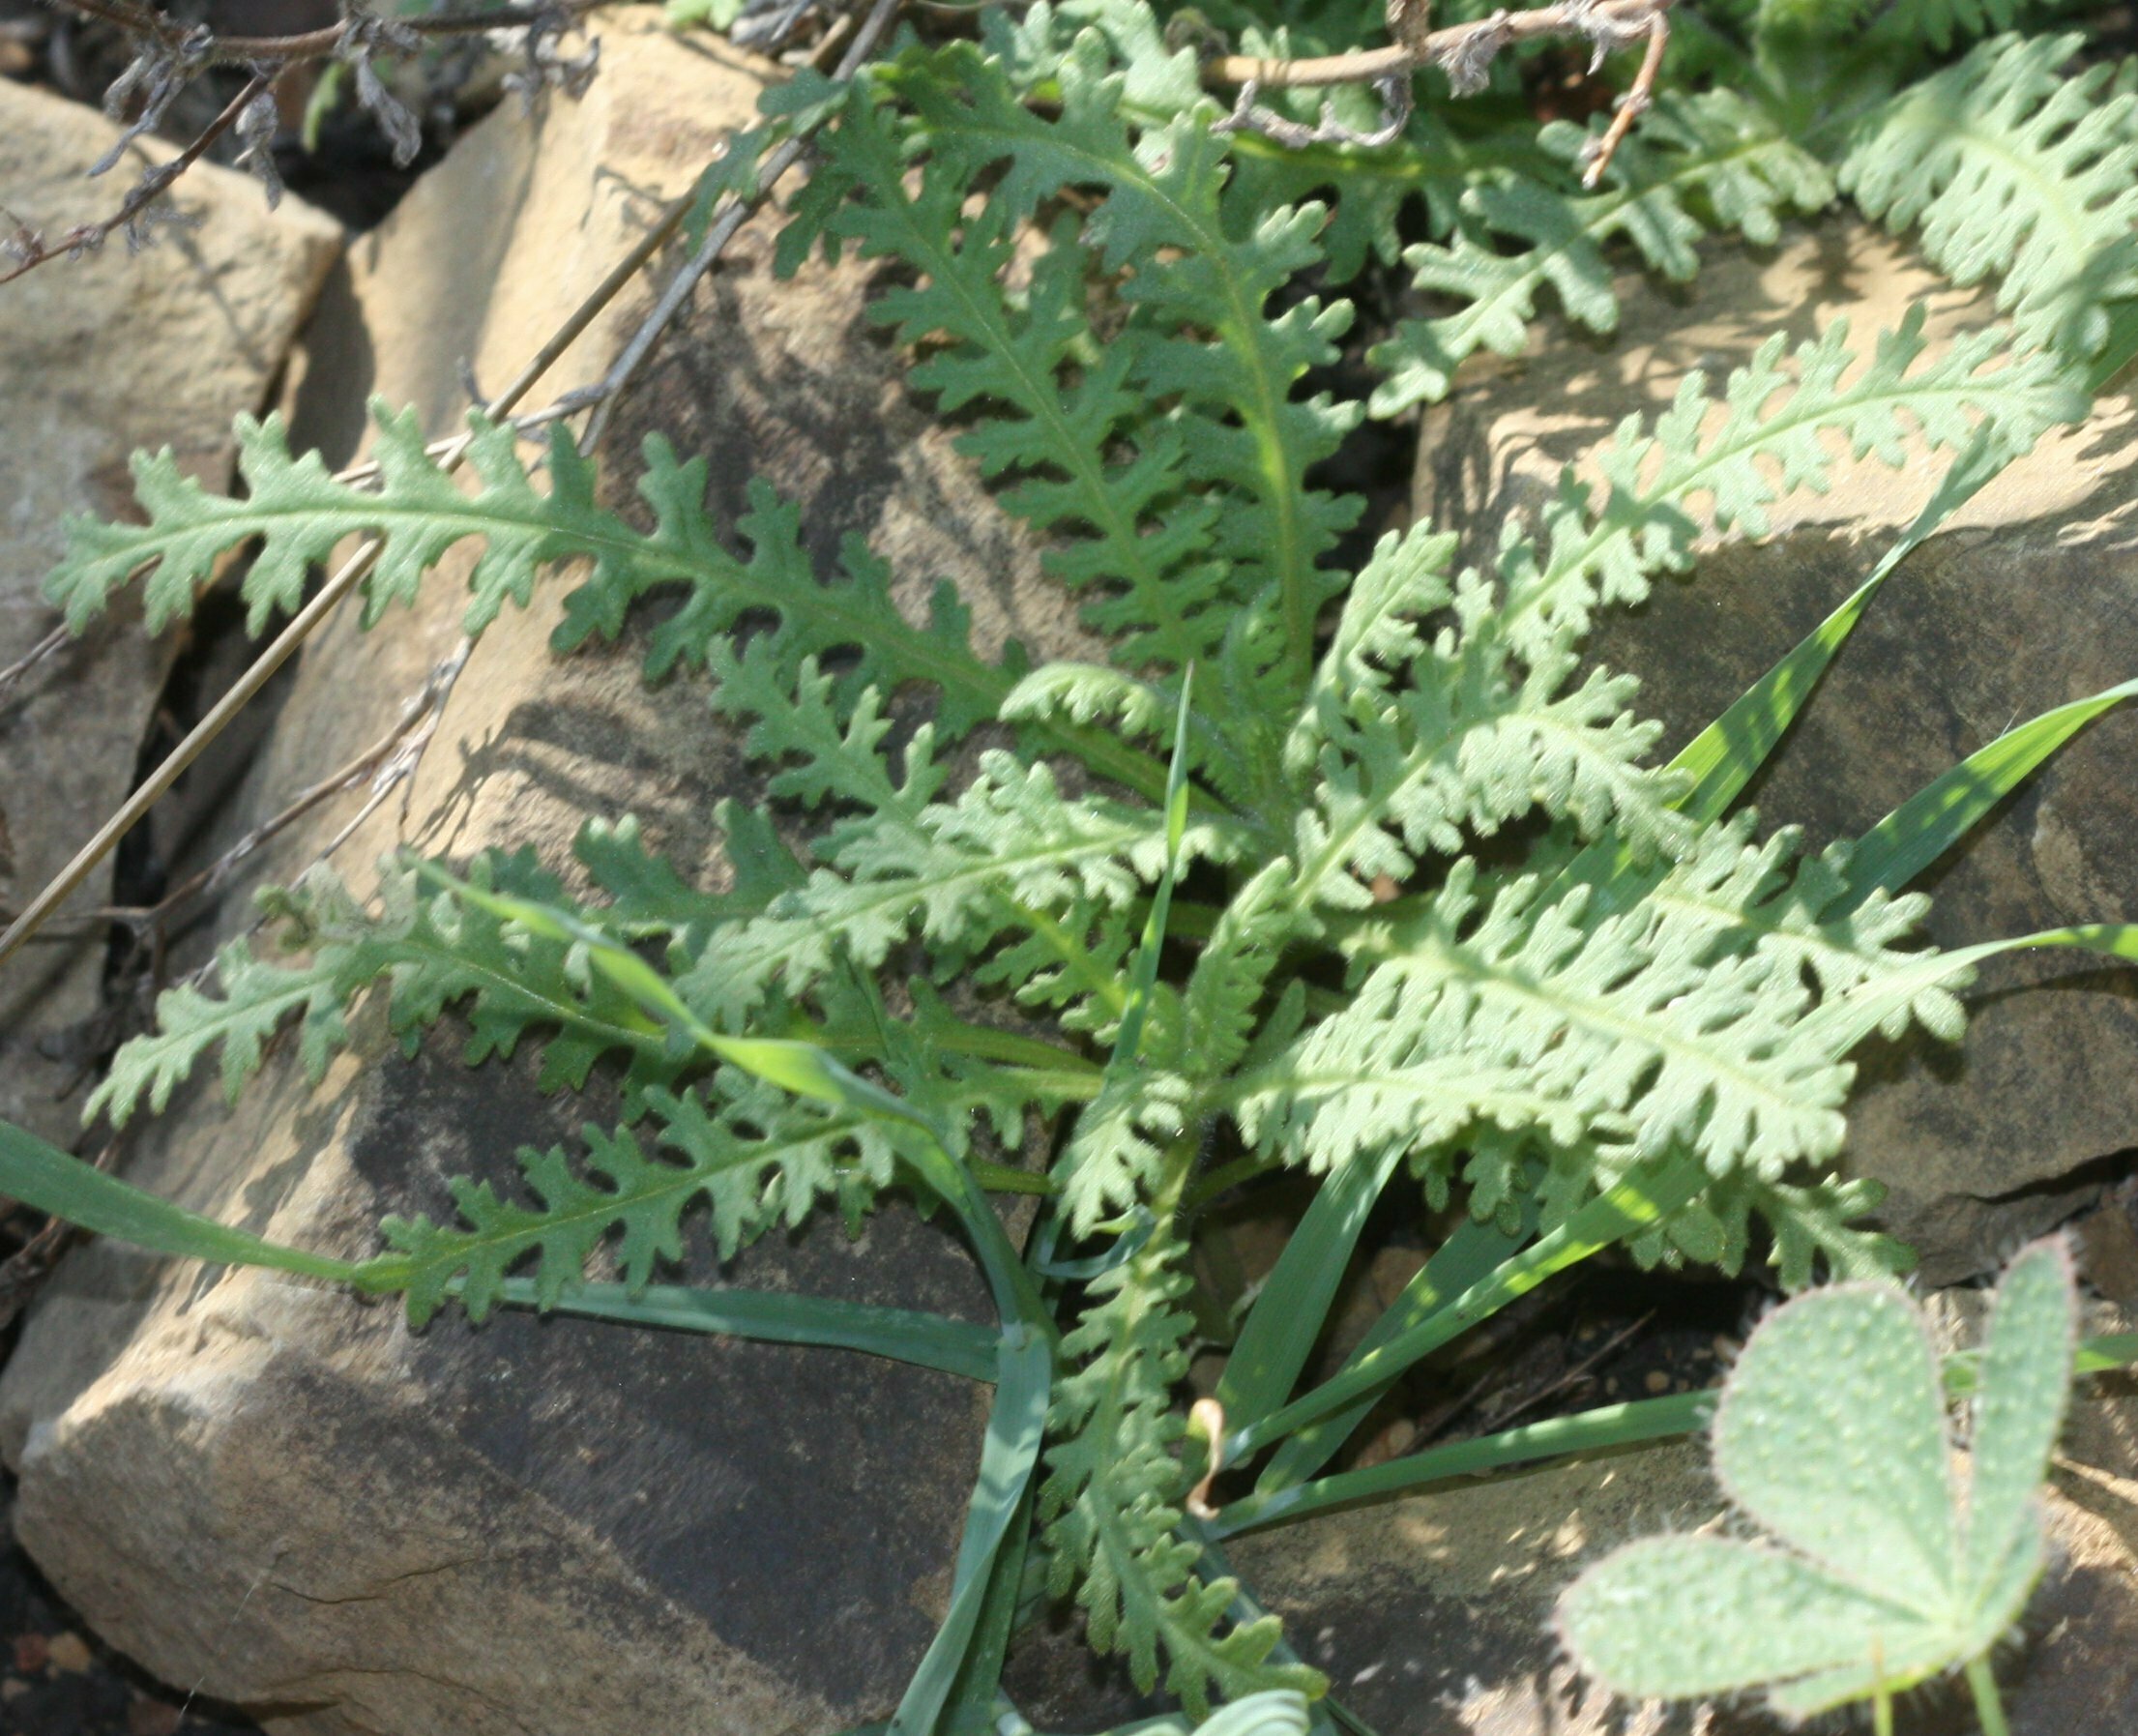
[1981,1681]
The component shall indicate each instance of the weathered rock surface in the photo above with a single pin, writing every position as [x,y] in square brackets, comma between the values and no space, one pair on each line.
[535,1526]
[2029,599]
[102,355]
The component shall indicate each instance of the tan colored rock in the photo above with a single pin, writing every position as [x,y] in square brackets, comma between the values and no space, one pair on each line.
[102,355]
[2028,600]
[535,1526]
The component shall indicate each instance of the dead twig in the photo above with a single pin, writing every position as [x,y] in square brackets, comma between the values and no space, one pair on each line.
[30,249]
[1597,155]
[322,43]
[732,215]
[1465,52]
[63,885]
[30,659]
[386,762]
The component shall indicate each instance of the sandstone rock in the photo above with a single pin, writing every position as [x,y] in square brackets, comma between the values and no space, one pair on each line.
[102,355]
[533,1526]
[2029,599]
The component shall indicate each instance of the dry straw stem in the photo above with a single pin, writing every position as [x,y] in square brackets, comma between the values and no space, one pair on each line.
[41,909]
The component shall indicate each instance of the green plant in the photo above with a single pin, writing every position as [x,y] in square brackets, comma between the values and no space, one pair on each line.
[1637,1036]
[1831,1436]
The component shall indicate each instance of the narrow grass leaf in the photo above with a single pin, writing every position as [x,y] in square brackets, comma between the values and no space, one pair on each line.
[51,1181]
[1636,1204]
[1474,1248]
[779,1317]
[1724,756]
[1590,1432]
[1015,1428]
[1292,1308]
[1930,822]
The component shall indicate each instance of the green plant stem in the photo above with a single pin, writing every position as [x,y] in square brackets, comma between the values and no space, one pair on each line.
[1595,1430]
[1983,1684]
[1592,1431]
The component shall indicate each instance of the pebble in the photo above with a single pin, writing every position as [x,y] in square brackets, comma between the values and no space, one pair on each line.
[70,1652]
[1658,1381]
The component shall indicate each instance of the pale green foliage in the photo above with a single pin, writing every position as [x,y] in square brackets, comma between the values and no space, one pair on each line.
[754,1156]
[300,512]
[433,950]
[1123,309]
[2007,170]
[1716,152]
[1112,1493]
[1831,1438]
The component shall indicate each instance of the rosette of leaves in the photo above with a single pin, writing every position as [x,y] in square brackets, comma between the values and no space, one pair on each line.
[1226,889]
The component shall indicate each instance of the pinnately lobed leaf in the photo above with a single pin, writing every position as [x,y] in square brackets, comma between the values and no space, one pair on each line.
[1831,1437]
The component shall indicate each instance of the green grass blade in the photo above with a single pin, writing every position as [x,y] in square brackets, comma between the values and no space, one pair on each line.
[1855,1015]
[778,1317]
[1289,1312]
[1144,976]
[1930,822]
[1723,756]
[976,1699]
[2107,1353]
[1595,1430]
[1590,1432]
[801,1067]
[50,1180]
[1473,1251]
[1636,1204]
[1015,1427]
[2111,1353]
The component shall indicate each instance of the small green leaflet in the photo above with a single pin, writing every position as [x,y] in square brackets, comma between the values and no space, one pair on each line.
[1833,1437]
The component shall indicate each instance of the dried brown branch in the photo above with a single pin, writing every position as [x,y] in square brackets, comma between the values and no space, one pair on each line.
[318,44]
[30,250]
[30,659]
[1597,156]
[1465,52]
[387,762]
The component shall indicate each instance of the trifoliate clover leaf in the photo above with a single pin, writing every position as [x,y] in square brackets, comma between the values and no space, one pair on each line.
[1877,1573]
